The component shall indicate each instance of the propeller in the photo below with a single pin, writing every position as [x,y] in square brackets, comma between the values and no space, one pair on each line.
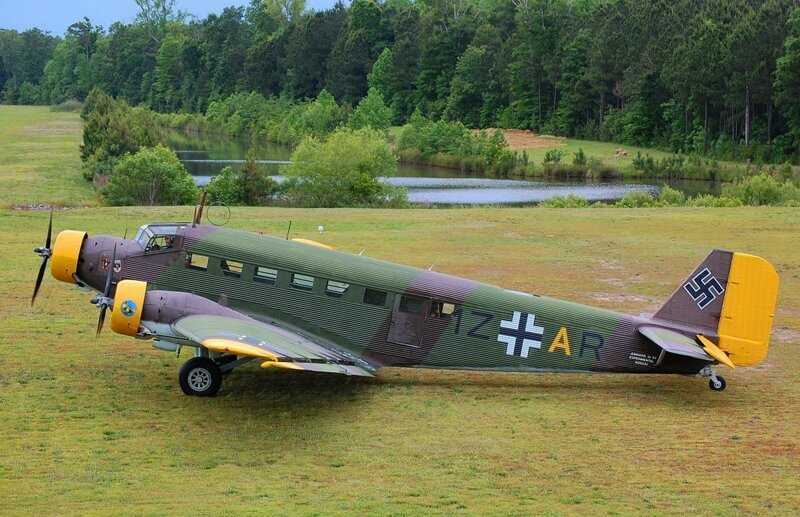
[102,301]
[45,252]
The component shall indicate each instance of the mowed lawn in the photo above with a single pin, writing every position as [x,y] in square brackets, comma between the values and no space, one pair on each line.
[39,158]
[100,426]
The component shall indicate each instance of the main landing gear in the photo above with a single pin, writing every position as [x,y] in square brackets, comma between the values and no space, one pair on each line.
[201,376]
[715,382]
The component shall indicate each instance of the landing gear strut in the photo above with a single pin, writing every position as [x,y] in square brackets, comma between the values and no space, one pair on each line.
[715,382]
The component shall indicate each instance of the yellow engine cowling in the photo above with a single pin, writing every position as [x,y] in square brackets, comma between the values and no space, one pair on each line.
[128,307]
[66,251]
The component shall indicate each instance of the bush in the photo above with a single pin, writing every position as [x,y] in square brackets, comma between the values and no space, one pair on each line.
[763,189]
[707,200]
[251,185]
[568,201]
[671,197]
[636,199]
[579,158]
[152,176]
[114,129]
[71,105]
[344,171]
[553,156]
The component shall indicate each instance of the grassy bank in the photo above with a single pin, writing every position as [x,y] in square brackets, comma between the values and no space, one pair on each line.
[39,161]
[100,426]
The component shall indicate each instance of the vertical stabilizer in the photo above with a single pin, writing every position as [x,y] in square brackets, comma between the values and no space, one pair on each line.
[732,296]
[698,300]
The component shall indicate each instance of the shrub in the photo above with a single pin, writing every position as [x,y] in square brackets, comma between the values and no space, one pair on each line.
[345,170]
[568,201]
[763,189]
[671,197]
[71,105]
[636,199]
[707,200]
[579,158]
[553,156]
[152,176]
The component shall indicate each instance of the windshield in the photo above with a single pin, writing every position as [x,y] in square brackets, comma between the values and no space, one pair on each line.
[150,231]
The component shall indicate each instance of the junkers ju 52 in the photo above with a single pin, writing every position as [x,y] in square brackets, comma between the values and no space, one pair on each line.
[235,296]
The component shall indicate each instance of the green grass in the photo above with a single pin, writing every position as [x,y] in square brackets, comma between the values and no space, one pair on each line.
[100,425]
[601,150]
[39,161]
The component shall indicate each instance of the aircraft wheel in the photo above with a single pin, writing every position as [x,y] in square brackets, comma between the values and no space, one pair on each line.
[717,386]
[201,377]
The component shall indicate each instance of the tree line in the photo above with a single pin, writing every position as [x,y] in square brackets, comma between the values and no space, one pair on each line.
[716,77]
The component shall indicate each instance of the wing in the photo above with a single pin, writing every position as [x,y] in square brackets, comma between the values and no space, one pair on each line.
[279,347]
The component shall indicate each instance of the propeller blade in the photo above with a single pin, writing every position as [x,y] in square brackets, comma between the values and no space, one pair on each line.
[45,254]
[49,230]
[39,280]
[102,319]
[107,290]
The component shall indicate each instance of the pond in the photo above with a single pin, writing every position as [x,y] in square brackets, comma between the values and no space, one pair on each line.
[205,155]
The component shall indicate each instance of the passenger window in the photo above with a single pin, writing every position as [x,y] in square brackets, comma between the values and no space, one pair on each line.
[373,297]
[265,275]
[442,309]
[337,289]
[304,282]
[230,268]
[411,305]
[198,262]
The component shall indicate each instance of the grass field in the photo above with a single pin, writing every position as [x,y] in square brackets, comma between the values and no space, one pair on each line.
[39,161]
[100,426]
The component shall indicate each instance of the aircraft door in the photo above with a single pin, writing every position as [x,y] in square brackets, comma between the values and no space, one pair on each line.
[408,320]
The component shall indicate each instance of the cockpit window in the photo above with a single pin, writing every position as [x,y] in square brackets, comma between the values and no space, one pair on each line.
[160,242]
[147,232]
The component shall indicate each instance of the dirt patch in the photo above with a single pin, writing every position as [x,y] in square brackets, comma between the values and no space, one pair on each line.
[520,139]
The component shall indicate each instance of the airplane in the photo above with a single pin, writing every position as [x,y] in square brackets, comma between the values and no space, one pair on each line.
[234,296]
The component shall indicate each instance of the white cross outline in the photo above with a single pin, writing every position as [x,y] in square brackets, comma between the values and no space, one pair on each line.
[511,341]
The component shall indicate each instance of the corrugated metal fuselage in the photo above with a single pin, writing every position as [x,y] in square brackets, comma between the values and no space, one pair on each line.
[389,314]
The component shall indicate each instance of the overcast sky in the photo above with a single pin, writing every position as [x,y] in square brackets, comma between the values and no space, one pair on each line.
[56,15]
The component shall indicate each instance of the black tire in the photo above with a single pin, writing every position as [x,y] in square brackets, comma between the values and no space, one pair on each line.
[200,377]
[714,387]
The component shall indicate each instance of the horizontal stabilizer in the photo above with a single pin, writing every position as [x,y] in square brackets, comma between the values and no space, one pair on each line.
[674,342]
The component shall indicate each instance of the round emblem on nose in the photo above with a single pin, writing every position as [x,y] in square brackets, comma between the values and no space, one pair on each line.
[128,308]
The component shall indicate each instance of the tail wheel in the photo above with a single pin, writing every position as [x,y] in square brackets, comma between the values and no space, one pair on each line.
[717,383]
[200,377]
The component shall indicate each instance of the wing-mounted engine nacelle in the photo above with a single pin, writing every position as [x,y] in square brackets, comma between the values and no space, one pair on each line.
[128,307]
[139,312]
